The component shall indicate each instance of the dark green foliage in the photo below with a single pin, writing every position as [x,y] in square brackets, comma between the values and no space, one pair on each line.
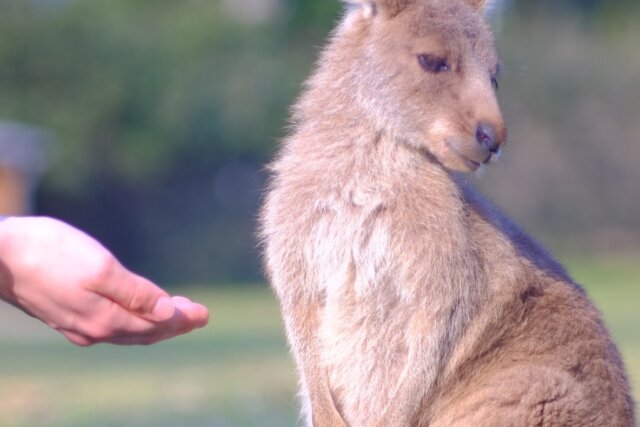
[149,101]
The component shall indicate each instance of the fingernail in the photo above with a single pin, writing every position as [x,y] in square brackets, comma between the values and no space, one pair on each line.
[163,309]
[181,301]
[204,315]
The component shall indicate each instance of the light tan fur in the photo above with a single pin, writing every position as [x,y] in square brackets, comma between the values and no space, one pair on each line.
[408,299]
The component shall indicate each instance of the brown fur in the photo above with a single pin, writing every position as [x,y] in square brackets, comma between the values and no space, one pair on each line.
[408,299]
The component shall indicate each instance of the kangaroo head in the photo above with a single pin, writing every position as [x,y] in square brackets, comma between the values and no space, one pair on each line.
[427,71]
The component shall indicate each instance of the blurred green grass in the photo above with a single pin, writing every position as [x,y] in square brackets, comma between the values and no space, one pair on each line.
[235,372]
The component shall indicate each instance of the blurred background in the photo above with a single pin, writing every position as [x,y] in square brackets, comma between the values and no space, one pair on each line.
[147,123]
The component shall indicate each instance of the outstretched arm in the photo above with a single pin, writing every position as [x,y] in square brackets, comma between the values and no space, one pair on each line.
[72,283]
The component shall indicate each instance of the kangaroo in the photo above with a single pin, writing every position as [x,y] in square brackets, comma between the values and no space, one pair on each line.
[408,299]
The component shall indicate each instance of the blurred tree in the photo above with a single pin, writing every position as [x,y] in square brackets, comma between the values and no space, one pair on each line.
[572,106]
[592,10]
[150,101]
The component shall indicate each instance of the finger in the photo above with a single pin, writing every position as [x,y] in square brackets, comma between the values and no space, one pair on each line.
[136,294]
[194,313]
[107,320]
[187,317]
[76,339]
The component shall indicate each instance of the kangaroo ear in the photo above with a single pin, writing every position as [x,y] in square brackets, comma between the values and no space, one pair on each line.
[480,5]
[389,8]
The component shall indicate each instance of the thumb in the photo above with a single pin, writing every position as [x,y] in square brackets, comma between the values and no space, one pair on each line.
[137,295]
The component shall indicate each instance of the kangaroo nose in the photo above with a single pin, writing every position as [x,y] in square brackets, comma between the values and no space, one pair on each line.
[488,137]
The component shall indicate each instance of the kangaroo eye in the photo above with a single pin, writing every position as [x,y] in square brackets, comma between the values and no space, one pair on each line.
[433,64]
[494,83]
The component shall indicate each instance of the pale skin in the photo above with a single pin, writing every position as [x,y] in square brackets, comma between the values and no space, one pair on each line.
[73,284]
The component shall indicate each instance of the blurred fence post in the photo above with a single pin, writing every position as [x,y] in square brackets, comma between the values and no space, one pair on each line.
[24,156]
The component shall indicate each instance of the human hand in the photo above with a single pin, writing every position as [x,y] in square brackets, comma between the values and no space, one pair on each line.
[72,283]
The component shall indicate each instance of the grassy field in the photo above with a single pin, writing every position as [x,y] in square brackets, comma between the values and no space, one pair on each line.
[235,372]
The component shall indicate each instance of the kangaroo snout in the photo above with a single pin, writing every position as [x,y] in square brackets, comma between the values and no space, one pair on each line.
[490,137]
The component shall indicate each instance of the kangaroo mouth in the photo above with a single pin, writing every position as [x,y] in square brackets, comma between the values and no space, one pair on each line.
[472,164]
